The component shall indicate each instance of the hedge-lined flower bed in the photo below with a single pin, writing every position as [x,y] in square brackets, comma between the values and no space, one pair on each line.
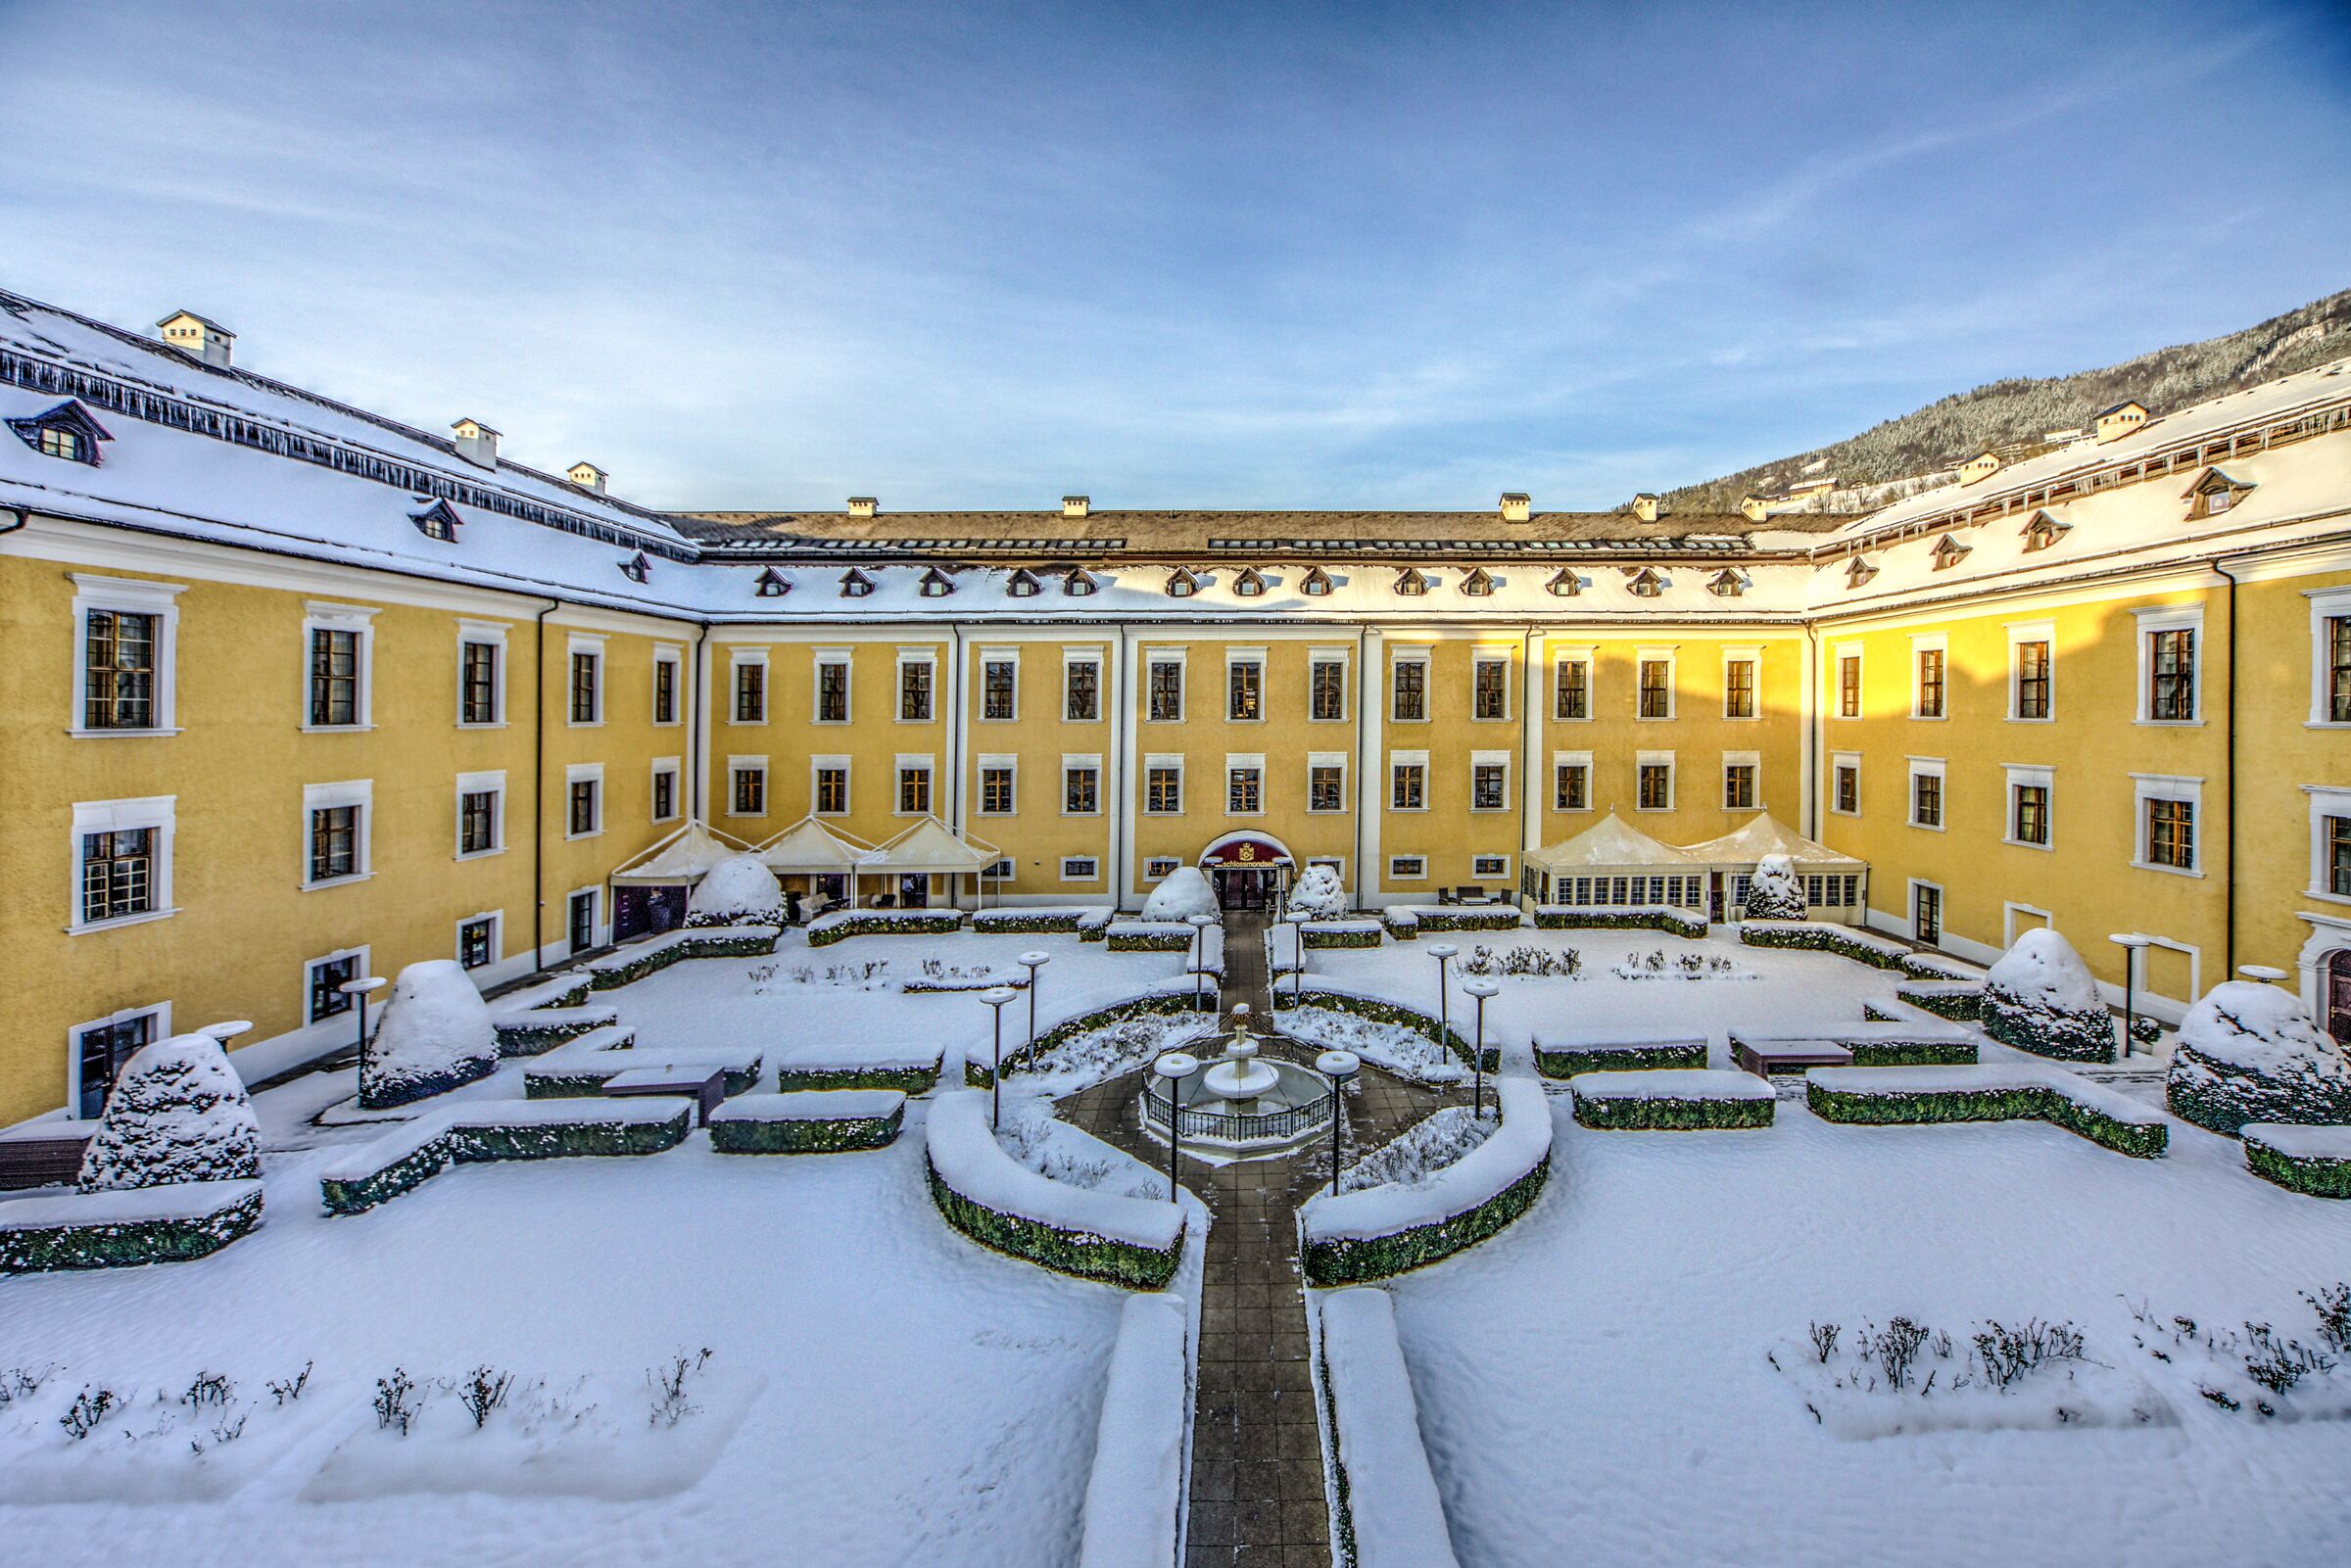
[1567,1061]
[1890,1096]
[125,1227]
[1704,1100]
[910,1074]
[1024,920]
[1149,936]
[1961,1001]
[632,964]
[1816,937]
[2312,1160]
[1374,1232]
[842,925]
[1474,918]
[542,1030]
[808,1123]
[498,1129]
[1320,933]
[1380,1010]
[1688,922]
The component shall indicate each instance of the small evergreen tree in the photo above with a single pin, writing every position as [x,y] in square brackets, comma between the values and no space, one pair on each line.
[436,1033]
[179,1112]
[2039,997]
[1318,895]
[739,890]
[2248,1052]
[1774,892]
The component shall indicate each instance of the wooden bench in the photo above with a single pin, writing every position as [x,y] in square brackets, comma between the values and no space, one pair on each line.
[705,1086]
[1763,1057]
[44,1154]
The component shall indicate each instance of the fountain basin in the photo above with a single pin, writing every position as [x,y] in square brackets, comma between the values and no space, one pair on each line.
[1291,1109]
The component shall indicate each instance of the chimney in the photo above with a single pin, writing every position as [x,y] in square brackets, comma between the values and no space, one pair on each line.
[587,476]
[1515,507]
[1752,508]
[863,506]
[1076,506]
[1645,507]
[476,443]
[205,342]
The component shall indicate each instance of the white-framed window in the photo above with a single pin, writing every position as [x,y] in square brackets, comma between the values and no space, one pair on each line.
[2170,664]
[666,806]
[1654,675]
[1928,807]
[583,800]
[828,786]
[322,982]
[1490,685]
[2017,919]
[1160,866]
[1844,783]
[1081,785]
[1408,868]
[583,918]
[481,814]
[1742,780]
[1080,868]
[1327,686]
[669,663]
[1844,662]
[1489,781]
[2330,656]
[2168,811]
[1571,781]
[829,697]
[1571,685]
[914,786]
[999,686]
[121,860]
[918,686]
[1930,676]
[746,678]
[2033,673]
[1326,783]
[1245,685]
[481,674]
[480,939]
[746,786]
[1652,780]
[1490,868]
[1244,785]
[999,786]
[96,1051]
[2329,842]
[125,639]
[1407,781]
[338,649]
[1080,687]
[1162,687]
[338,827]
[1408,686]
[1926,913]
[1162,784]
[2031,806]
[584,698]
[1743,682]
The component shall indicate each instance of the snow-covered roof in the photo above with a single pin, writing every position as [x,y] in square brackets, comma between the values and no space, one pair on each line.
[683,857]
[1608,843]
[929,846]
[810,848]
[1765,835]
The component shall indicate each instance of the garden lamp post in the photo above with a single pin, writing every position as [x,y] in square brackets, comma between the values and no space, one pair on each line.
[1175,1067]
[2130,942]
[358,990]
[1338,1066]
[2267,973]
[1200,925]
[226,1032]
[1033,960]
[1482,989]
[995,996]
[1443,953]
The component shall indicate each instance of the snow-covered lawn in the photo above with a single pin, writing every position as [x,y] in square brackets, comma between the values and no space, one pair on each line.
[1595,1379]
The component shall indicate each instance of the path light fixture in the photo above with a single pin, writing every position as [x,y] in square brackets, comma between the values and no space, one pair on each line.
[1338,1066]
[2268,973]
[995,996]
[358,990]
[1480,988]
[1174,1066]
[1034,960]
[1444,953]
[2130,942]
[1200,925]
[226,1032]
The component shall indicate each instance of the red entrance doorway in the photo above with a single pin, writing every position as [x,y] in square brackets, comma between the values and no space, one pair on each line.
[2338,996]
[1248,871]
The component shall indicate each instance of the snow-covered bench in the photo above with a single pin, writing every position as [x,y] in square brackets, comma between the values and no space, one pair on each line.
[1672,1100]
[1562,1053]
[901,1064]
[125,1227]
[1135,1493]
[1149,936]
[843,924]
[1000,1202]
[1690,923]
[1878,1042]
[820,1122]
[2316,1161]
[1373,1232]
[640,959]
[2016,1091]
[496,1129]
[1390,1514]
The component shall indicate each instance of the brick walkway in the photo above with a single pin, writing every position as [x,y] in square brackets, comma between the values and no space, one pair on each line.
[1258,1499]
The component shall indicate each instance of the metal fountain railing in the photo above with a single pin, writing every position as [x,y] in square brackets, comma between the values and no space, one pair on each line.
[1231,1127]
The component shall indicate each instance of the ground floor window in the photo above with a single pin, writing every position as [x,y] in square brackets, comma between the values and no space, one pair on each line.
[581,926]
[477,941]
[1158,867]
[1079,869]
[328,978]
[101,1049]
[1407,868]
[1926,913]
[1488,866]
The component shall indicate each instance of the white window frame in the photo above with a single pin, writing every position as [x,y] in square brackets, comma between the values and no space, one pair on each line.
[366,960]
[906,762]
[1183,683]
[1673,782]
[1155,762]
[1408,759]
[1943,912]
[2154,618]
[1589,659]
[159,812]
[2009,912]
[1314,659]
[1398,873]
[1742,759]
[574,645]
[498,938]
[1931,643]
[848,782]
[1491,759]
[2326,800]
[1500,873]
[996,655]
[1480,658]
[677,801]
[1750,655]
[1159,868]
[492,635]
[1326,759]
[1080,762]
[585,772]
[818,659]
[1669,657]
[491,782]
[739,660]
[1251,761]
[2019,634]
[1071,658]
[1092,872]
[737,765]
[1256,656]
[1934,768]
[2151,786]
[317,797]
[160,1030]
[129,596]
[2024,775]
[911,656]
[1426,657]
[1844,759]
[1572,759]
[1834,706]
[600,915]
[1008,760]
[321,615]
[2325,604]
[663,654]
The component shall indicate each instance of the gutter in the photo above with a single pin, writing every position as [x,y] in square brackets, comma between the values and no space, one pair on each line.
[1814,731]
[539,789]
[700,807]
[2229,769]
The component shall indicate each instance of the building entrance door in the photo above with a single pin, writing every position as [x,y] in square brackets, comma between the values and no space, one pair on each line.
[2338,996]
[1244,886]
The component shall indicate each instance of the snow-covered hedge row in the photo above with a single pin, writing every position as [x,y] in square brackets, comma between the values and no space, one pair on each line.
[1886,1039]
[1690,923]
[1672,1100]
[1373,1232]
[818,1123]
[582,1069]
[843,924]
[1149,936]
[1339,933]
[534,1032]
[1211,961]
[904,1067]
[1024,921]
[640,959]
[2314,1161]
[498,1129]
[1000,1202]
[125,1227]
[1380,1010]
[1941,966]
[2024,1091]
[1402,924]
[1134,1493]
[1283,950]
[2248,1052]
[1562,1054]
[1959,1000]
[1094,923]
[1821,937]
[1466,918]
[1389,1511]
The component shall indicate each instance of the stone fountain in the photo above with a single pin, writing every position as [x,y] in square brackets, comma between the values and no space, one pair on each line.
[1245,1105]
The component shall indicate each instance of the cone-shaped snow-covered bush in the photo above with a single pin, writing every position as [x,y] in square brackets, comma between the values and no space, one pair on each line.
[739,890]
[1774,892]
[2039,997]
[2248,1052]
[1318,895]
[179,1112]
[1181,894]
[435,1034]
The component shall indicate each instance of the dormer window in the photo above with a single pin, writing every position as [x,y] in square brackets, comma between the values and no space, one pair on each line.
[1249,583]
[1182,583]
[66,431]
[1857,572]
[1079,582]
[1729,583]
[1315,584]
[2212,493]
[1479,584]
[1411,582]
[1949,552]
[2043,531]
[437,521]
[1565,584]
[771,584]
[636,568]
[855,584]
[936,583]
[1021,583]
[1646,582]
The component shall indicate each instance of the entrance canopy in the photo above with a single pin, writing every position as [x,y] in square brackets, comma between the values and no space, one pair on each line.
[1765,836]
[930,847]
[810,848]
[1245,849]
[1612,844]
[685,856]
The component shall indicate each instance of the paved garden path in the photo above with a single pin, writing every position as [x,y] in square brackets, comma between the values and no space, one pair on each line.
[1258,1497]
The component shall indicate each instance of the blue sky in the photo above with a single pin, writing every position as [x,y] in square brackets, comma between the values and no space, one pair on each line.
[976,255]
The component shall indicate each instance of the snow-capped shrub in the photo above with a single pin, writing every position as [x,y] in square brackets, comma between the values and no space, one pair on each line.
[1318,895]
[435,1034]
[2040,998]
[2248,1052]
[1774,892]
[1182,893]
[179,1112]
[739,890]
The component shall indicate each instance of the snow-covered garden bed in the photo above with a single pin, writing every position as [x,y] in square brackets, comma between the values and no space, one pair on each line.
[1387,1034]
[2316,1161]
[1868,1380]
[1387,1506]
[1565,1052]
[1134,1494]
[1672,1100]
[627,965]
[481,1130]
[820,1122]
[840,924]
[1882,1096]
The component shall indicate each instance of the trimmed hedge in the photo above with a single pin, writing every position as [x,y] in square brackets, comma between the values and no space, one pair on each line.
[888,922]
[34,1249]
[719,942]
[805,1135]
[584,1076]
[2002,1104]
[2087,1036]
[1567,1061]
[1626,1114]
[1005,922]
[1817,938]
[1672,922]
[541,1030]
[907,1080]
[2313,1175]
[1381,1011]
[1961,1001]
[1149,943]
[470,1145]
[1451,918]
[1085,1255]
[1909,1053]
[1354,1260]
[1352,933]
